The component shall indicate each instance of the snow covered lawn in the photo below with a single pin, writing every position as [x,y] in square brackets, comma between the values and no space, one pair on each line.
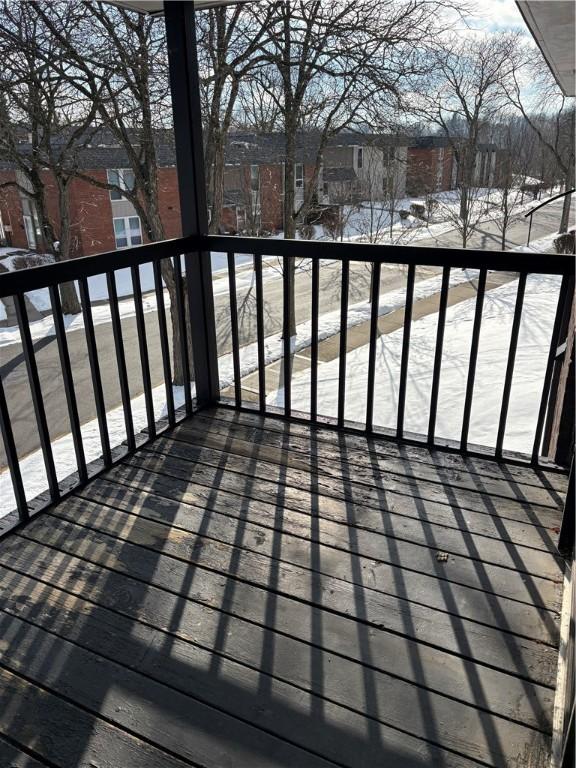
[538,316]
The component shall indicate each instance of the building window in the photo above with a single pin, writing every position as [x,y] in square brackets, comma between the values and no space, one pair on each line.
[299,176]
[31,222]
[359,157]
[127,231]
[255,178]
[122,177]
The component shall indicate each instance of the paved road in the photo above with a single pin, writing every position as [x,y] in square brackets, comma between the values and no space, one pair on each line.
[489,237]
[15,378]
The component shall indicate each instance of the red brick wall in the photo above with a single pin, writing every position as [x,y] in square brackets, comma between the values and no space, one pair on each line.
[91,216]
[169,198]
[271,198]
[90,211]
[423,167]
[11,209]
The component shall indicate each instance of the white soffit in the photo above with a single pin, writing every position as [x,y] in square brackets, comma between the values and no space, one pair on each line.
[551,23]
[156,7]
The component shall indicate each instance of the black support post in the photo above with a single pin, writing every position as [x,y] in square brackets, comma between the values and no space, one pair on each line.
[185,89]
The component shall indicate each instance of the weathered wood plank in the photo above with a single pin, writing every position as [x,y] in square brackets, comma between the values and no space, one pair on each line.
[311,496]
[358,465]
[297,469]
[67,736]
[437,458]
[310,721]
[306,648]
[175,722]
[391,538]
[13,757]
[509,653]
[163,534]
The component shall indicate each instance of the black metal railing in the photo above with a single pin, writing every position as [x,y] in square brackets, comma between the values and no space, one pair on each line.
[410,257]
[16,285]
[195,319]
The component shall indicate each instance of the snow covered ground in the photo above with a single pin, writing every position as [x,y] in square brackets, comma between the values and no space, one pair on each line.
[370,221]
[329,323]
[536,328]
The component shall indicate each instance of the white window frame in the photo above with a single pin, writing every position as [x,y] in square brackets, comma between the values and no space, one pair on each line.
[298,176]
[128,231]
[359,158]
[255,178]
[121,182]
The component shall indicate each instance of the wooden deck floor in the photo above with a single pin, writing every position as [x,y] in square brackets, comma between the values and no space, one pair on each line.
[250,593]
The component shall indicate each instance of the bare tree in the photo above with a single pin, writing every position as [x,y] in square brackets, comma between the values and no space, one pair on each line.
[552,122]
[43,124]
[465,93]
[127,52]
[327,61]
[511,176]
[229,41]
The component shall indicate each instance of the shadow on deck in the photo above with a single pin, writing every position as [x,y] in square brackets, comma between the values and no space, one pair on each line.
[247,592]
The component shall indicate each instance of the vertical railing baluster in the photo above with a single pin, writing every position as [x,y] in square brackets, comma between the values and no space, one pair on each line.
[164,347]
[405,350]
[510,364]
[438,354]
[143,347]
[287,305]
[234,329]
[120,359]
[374,307]
[95,370]
[182,326]
[343,341]
[314,340]
[260,332]
[473,359]
[566,289]
[12,457]
[69,390]
[37,397]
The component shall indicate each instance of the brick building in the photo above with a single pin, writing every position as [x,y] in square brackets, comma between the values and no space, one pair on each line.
[101,220]
[432,165]
[355,167]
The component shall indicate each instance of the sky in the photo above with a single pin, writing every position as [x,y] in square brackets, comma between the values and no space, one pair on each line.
[497,15]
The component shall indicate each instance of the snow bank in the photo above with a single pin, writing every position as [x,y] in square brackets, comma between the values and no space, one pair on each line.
[536,328]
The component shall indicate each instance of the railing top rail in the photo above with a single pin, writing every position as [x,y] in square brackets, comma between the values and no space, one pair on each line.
[550,200]
[501,261]
[46,275]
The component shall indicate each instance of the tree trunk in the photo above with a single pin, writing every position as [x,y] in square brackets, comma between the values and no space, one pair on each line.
[217,192]
[564,221]
[168,276]
[68,295]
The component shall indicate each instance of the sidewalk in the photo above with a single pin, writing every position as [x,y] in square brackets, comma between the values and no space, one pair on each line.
[359,335]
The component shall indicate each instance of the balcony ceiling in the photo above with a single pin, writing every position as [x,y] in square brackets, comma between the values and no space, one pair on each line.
[156,7]
[552,26]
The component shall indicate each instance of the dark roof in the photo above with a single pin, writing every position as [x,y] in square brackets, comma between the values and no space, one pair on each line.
[430,142]
[243,148]
[340,174]
[102,150]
